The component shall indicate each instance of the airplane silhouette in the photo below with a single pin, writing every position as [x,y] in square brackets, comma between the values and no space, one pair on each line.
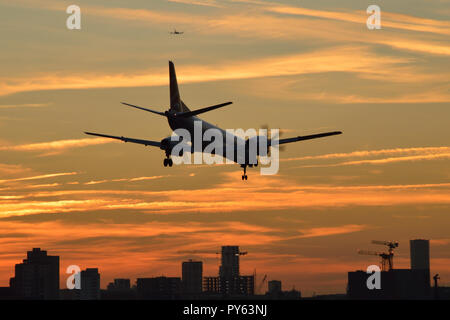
[179,116]
[176,32]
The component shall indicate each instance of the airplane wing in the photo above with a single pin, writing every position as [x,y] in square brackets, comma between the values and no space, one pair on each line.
[301,138]
[125,139]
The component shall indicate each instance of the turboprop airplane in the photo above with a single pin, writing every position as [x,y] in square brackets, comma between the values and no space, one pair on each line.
[180,117]
[176,32]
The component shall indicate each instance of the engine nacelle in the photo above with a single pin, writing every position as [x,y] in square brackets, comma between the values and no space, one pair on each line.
[167,144]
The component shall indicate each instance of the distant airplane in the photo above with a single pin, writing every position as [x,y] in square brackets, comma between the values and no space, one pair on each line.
[176,32]
[179,116]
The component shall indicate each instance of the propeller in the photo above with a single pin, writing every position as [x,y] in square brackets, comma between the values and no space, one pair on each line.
[269,134]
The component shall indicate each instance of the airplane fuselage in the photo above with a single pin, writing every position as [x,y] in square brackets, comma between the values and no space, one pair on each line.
[195,126]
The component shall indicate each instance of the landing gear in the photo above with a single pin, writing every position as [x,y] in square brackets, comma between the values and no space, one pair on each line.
[168,162]
[244,176]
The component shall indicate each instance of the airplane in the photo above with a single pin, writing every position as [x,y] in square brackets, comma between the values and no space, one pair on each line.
[176,32]
[179,116]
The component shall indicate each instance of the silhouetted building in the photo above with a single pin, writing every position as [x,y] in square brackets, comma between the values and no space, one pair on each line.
[192,276]
[291,295]
[443,293]
[395,284]
[246,285]
[119,284]
[241,285]
[120,289]
[37,277]
[164,288]
[6,293]
[420,254]
[420,263]
[211,284]
[229,270]
[229,282]
[69,294]
[230,262]
[90,284]
[274,287]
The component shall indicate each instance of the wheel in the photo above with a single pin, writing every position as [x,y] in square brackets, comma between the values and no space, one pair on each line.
[170,162]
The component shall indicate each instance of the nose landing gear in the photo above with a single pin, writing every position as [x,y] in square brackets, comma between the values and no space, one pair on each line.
[244,176]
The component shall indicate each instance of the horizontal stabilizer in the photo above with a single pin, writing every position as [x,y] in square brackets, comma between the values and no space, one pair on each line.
[301,138]
[125,139]
[145,109]
[203,110]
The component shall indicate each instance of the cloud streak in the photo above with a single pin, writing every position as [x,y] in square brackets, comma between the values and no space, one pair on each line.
[43,176]
[340,59]
[58,145]
[263,193]
[370,153]
[330,231]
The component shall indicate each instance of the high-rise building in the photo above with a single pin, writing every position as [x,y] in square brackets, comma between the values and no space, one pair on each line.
[229,270]
[230,262]
[420,265]
[90,284]
[420,254]
[37,277]
[192,276]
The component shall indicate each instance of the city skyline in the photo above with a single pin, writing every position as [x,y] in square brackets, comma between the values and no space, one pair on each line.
[300,67]
[227,281]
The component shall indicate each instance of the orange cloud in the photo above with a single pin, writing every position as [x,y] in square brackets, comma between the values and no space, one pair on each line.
[26,105]
[385,160]
[371,153]
[261,193]
[390,20]
[339,59]
[329,231]
[205,3]
[57,145]
[44,176]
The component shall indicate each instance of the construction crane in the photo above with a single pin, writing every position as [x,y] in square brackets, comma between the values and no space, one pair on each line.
[391,246]
[261,284]
[385,258]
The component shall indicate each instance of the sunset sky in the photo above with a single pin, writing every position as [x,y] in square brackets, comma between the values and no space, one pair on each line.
[301,66]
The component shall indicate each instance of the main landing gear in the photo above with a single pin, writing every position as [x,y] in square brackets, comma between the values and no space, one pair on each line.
[168,161]
[244,176]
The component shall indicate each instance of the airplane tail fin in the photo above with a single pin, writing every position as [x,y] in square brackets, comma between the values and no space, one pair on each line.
[175,102]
